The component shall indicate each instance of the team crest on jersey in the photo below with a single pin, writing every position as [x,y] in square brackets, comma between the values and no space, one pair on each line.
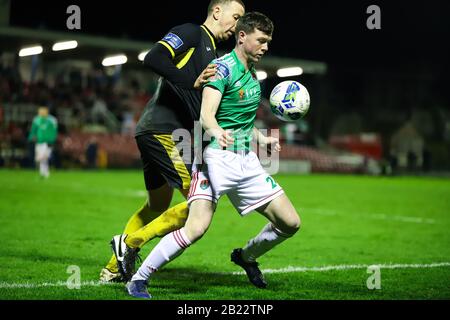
[204,184]
[173,40]
[241,94]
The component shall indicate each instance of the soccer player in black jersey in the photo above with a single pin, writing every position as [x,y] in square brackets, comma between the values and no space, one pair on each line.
[182,60]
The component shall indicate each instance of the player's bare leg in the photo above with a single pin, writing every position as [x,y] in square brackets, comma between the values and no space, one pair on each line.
[284,223]
[282,214]
[199,219]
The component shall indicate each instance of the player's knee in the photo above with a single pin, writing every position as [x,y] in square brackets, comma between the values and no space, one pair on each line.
[291,224]
[296,222]
[195,233]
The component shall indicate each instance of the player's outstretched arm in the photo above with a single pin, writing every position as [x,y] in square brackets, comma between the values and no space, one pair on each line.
[210,103]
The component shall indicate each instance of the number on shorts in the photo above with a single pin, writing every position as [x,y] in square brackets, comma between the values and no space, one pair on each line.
[270,179]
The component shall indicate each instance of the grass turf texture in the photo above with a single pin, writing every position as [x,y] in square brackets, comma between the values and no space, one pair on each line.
[48,225]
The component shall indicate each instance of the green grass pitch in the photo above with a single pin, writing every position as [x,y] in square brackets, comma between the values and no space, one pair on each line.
[348,223]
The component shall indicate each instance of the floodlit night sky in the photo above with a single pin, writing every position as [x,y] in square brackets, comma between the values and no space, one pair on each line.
[330,31]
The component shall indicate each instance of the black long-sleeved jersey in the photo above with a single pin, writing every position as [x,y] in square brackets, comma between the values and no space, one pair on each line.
[178,58]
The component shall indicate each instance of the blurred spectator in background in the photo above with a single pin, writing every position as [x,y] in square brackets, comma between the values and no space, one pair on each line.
[17,140]
[92,153]
[99,109]
[44,130]
[128,124]
[100,114]
[407,148]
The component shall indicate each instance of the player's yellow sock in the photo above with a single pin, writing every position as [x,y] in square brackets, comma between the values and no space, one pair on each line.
[170,220]
[139,219]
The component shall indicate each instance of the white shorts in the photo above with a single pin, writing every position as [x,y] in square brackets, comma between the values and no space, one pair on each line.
[42,152]
[238,175]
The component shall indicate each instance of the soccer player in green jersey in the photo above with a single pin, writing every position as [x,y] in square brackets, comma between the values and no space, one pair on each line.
[229,103]
[44,131]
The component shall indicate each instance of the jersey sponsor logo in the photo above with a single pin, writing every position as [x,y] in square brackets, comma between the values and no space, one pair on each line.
[248,93]
[173,40]
[204,184]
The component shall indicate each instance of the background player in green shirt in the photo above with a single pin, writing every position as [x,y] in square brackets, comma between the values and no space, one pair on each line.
[44,131]
[229,103]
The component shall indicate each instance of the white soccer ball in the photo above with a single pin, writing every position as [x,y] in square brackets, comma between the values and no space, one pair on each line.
[289,101]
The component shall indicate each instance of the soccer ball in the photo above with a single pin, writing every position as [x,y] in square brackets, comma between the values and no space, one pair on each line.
[289,101]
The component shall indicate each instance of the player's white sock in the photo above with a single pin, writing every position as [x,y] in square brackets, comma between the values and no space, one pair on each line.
[170,247]
[268,238]
[42,168]
[45,169]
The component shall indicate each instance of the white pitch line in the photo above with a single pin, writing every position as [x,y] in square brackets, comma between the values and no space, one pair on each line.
[290,269]
[6,285]
[350,267]
[376,216]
